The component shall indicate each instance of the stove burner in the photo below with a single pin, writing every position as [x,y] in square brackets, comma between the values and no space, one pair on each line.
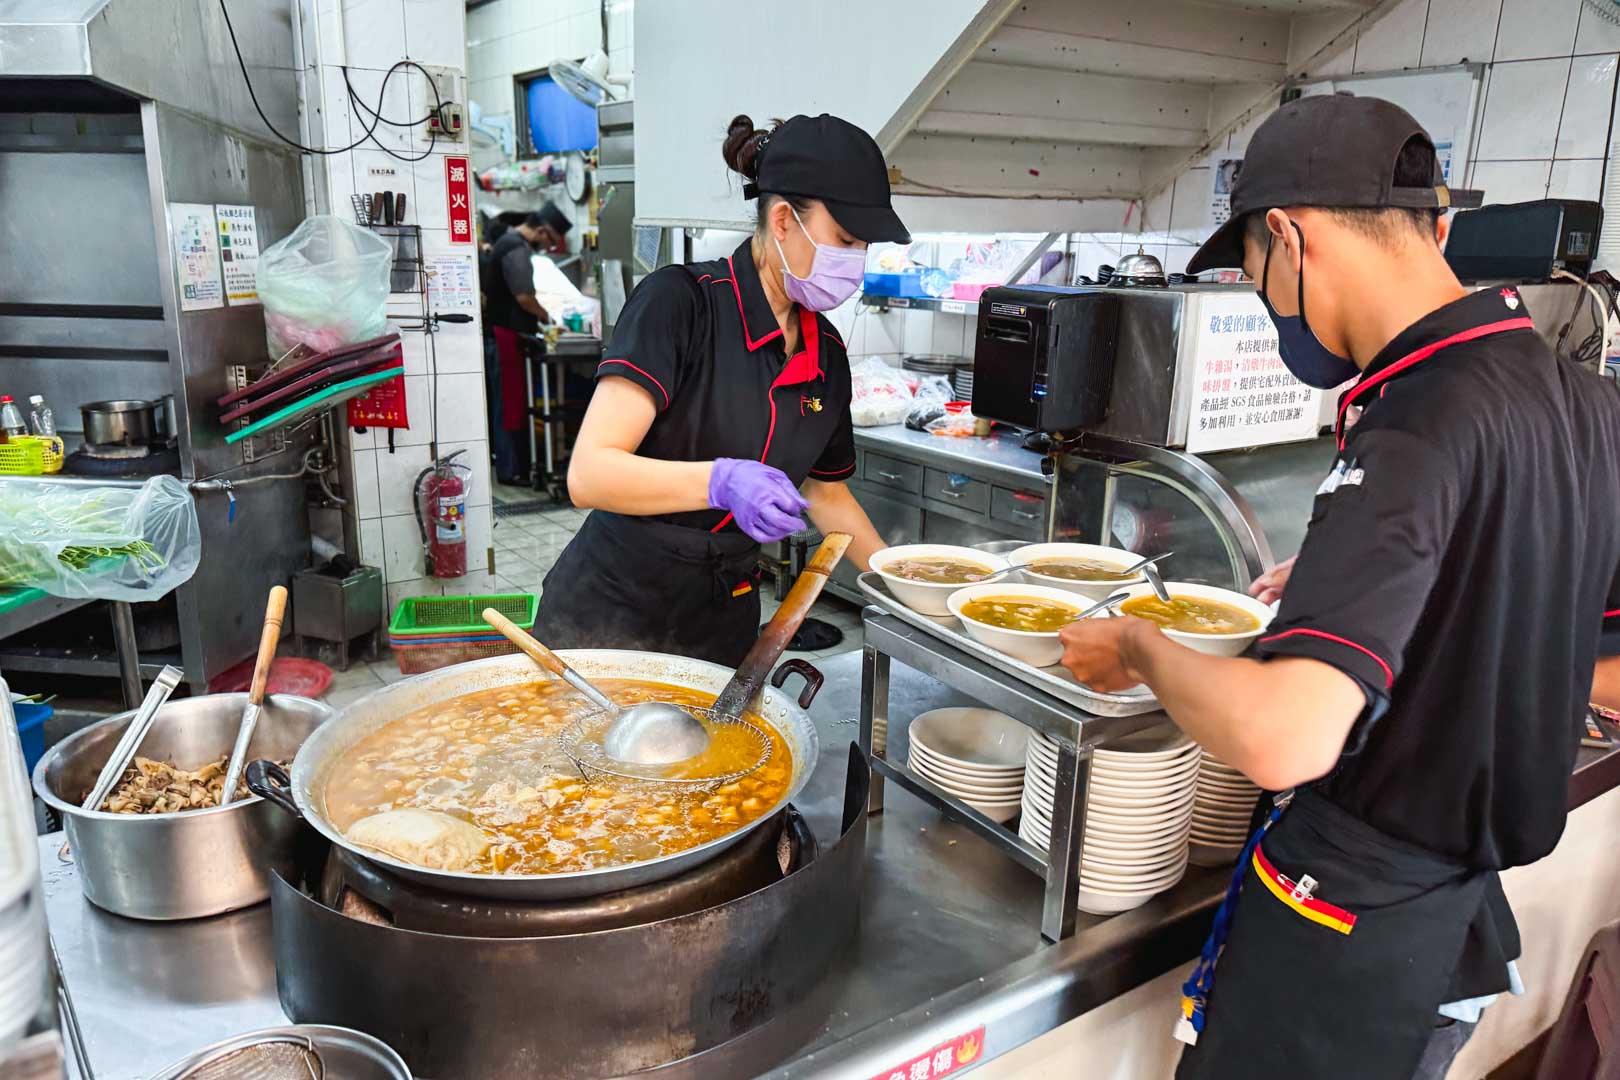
[116,451]
[148,462]
[368,891]
[657,977]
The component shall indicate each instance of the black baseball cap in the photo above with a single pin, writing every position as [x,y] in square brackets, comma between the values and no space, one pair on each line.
[1333,150]
[823,157]
[550,217]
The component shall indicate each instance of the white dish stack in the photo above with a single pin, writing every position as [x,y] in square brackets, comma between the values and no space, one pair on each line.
[1139,808]
[1221,812]
[24,953]
[975,755]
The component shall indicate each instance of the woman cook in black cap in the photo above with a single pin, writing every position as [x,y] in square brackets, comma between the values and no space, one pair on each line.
[723,394]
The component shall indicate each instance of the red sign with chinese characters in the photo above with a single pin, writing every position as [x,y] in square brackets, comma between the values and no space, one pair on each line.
[458,199]
[943,1060]
[381,406]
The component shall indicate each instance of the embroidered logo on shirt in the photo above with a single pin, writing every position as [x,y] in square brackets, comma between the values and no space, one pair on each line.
[808,402]
[1344,474]
[1511,299]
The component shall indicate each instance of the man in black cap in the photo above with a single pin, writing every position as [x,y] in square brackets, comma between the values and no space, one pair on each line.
[1420,692]
[510,310]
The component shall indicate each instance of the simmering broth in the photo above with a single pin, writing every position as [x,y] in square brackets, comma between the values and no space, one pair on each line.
[1070,568]
[491,758]
[1019,613]
[1192,615]
[938,570]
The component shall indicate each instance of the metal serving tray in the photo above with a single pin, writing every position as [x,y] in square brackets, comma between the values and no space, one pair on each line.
[1053,680]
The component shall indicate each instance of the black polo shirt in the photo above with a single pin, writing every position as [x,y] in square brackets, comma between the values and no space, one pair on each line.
[703,341]
[1461,560]
[510,274]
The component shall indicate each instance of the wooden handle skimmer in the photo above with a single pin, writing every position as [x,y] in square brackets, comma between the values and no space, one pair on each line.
[778,633]
[269,639]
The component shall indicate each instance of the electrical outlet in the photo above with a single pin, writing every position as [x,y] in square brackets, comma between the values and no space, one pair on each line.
[449,123]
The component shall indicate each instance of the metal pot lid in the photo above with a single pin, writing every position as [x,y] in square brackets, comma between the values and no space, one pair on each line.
[1138,269]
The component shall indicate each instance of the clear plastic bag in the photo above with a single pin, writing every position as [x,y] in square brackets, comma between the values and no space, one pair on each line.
[324,286]
[105,543]
[928,404]
[878,394]
[959,424]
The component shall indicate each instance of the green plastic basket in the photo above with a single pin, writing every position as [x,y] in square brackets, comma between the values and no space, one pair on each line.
[440,616]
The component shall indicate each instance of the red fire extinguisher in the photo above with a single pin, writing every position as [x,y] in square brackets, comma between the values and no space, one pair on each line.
[441,516]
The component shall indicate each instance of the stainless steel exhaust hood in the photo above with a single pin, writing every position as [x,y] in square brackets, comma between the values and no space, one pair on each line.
[174,51]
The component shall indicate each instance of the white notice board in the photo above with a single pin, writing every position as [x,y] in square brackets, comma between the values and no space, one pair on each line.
[1242,393]
[1443,100]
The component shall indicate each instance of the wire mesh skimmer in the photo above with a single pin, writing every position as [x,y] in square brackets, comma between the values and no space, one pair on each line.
[276,1057]
[734,739]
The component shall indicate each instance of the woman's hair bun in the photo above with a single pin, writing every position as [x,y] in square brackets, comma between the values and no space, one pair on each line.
[742,146]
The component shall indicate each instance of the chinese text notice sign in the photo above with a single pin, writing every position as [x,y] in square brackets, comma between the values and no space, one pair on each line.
[1242,393]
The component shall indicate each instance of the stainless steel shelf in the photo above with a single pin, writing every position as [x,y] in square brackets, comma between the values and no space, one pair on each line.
[922,303]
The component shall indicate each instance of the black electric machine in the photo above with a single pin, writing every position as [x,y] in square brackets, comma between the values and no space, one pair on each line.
[1044,358]
[1524,241]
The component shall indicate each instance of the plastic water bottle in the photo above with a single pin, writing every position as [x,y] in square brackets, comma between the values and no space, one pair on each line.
[11,417]
[41,421]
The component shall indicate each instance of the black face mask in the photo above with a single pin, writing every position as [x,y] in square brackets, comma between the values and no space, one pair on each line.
[1311,362]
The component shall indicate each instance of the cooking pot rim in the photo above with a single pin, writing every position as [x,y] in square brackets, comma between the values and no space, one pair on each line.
[803,740]
[43,789]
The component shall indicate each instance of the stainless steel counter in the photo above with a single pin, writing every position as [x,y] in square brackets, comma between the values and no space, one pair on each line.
[1002,456]
[949,942]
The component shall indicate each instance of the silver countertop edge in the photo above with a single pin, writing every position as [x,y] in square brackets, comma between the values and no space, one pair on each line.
[1001,455]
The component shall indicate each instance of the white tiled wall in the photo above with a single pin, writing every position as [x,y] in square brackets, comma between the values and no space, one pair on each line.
[513,37]
[446,379]
[1544,126]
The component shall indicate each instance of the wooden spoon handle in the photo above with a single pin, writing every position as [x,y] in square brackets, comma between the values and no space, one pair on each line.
[778,633]
[526,642]
[269,638]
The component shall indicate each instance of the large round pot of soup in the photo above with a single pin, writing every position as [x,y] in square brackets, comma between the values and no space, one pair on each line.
[477,743]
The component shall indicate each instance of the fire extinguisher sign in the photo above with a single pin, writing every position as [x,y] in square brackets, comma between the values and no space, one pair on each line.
[458,199]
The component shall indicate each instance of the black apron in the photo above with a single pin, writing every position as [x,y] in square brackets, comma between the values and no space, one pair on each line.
[639,583]
[1341,947]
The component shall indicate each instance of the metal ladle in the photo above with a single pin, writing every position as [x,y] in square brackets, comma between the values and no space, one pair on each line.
[651,733]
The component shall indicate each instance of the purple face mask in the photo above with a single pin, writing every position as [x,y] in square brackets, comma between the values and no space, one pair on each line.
[835,274]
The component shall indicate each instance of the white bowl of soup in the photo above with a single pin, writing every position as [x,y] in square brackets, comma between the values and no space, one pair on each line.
[1091,570]
[923,576]
[1202,617]
[1020,620]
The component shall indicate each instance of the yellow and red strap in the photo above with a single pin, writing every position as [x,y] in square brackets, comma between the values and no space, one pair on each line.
[1286,890]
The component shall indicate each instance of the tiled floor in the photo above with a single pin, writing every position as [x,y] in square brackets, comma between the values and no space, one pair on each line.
[526,546]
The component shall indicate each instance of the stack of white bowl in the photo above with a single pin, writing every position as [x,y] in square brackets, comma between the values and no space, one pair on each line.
[1139,806]
[1221,812]
[975,755]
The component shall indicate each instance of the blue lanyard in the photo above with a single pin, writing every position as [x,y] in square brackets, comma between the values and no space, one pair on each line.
[1195,991]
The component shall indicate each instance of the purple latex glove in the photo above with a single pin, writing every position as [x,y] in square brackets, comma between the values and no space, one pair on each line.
[763,500]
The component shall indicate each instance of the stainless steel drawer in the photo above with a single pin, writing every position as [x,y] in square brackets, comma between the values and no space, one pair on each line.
[1026,510]
[892,472]
[958,490]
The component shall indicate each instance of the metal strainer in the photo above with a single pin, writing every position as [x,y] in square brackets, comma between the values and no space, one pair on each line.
[582,742]
[292,1052]
[275,1057]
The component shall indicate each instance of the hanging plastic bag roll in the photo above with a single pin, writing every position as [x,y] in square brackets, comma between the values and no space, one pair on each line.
[105,543]
[324,286]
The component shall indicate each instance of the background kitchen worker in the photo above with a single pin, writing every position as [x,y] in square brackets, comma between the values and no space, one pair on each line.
[724,393]
[510,309]
[1422,685]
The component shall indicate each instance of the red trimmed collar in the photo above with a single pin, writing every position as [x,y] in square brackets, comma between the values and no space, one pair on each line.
[1480,314]
[805,365]
[752,306]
